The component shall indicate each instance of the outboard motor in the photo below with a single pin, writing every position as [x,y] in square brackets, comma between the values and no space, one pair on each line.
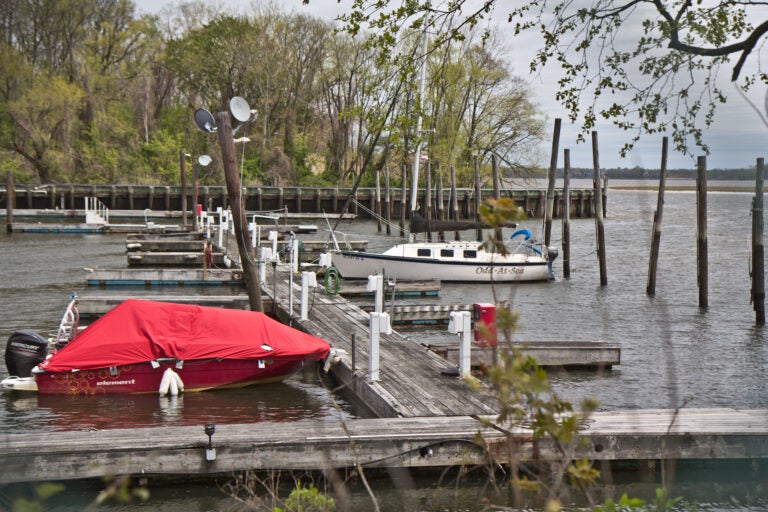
[552,254]
[23,351]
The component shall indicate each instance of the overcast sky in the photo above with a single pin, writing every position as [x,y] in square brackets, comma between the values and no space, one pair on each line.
[737,138]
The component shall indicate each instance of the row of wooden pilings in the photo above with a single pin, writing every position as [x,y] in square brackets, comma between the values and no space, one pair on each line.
[297,200]
[757,268]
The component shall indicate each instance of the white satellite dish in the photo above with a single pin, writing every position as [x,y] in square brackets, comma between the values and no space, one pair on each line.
[239,109]
[204,160]
[205,121]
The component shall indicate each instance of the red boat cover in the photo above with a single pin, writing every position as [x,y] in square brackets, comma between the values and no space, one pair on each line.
[140,330]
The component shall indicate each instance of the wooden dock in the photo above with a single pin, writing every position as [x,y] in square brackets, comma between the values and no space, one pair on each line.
[231,277]
[75,228]
[650,434]
[164,277]
[566,354]
[421,314]
[173,259]
[412,381]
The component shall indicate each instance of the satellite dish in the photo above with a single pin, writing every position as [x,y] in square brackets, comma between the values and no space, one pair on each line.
[205,121]
[239,109]
[204,160]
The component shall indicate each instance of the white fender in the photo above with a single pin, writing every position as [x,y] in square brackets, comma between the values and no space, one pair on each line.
[165,382]
[179,383]
[174,387]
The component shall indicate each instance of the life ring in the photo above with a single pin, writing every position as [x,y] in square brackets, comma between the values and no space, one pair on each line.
[523,231]
[332,280]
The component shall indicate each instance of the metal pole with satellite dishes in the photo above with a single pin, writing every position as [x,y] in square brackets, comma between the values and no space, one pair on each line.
[241,112]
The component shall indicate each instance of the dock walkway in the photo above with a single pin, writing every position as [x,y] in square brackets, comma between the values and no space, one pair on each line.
[686,434]
[411,382]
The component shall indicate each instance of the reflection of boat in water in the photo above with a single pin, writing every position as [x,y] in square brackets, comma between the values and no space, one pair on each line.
[294,399]
[452,261]
[145,346]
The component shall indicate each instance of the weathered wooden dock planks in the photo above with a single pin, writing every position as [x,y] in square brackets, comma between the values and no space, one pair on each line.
[569,354]
[164,277]
[400,442]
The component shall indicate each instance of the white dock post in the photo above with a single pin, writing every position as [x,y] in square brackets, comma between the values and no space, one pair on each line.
[208,224]
[254,228]
[461,324]
[376,284]
[220,211]
[266,254]
[272,237]
[308,280]
[379,323]
[294,247]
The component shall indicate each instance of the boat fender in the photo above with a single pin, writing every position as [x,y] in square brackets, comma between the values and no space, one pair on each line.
[523,231]
[179,382]
[332,281]
[173,389]
[171,384]
[165,382]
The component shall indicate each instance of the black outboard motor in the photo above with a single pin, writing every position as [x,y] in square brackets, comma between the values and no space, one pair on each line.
[24,350]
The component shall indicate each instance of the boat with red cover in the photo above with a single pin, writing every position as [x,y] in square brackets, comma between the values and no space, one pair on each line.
[143,346]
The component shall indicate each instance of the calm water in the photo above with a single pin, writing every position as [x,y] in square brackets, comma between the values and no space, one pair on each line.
[673,352]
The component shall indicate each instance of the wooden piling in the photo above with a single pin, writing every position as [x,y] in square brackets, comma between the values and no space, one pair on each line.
[599,225]
[388,200]
[183,161]
[702,258]
[10,201]
[377,200]
[232,178]
[657,217]
[551,183]
[758,250]
[566,214]
[403,192]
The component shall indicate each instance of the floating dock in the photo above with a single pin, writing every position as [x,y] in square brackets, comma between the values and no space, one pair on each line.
[565,354]
[644,435]
[164,277]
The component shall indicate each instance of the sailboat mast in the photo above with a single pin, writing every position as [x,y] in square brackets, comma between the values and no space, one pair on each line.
[417,153]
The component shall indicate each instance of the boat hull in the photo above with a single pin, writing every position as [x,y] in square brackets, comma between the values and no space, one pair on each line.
[360,265]
[198,375]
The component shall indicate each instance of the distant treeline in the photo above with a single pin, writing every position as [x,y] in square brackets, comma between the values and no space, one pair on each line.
[650,174]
